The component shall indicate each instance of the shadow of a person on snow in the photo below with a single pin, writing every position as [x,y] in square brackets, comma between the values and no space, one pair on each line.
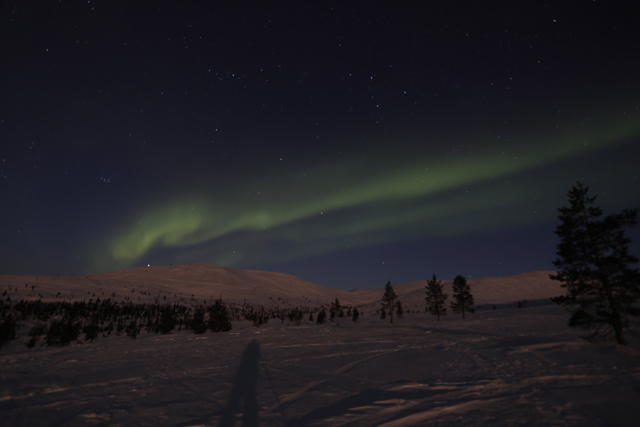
[243,396]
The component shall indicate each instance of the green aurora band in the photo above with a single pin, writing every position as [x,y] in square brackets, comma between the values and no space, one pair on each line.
[344,204]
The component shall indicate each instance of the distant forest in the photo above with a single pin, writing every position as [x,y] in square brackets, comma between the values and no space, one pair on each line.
[59,323]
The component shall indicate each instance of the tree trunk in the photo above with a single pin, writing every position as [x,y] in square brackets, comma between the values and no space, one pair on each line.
[617,327]
[615,320]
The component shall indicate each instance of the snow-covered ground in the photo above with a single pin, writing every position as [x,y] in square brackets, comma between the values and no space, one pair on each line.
[499,367]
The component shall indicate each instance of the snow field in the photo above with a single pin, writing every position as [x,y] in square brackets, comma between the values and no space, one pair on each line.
[499,367]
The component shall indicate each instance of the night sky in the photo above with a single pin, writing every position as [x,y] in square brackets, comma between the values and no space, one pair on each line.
[344,142]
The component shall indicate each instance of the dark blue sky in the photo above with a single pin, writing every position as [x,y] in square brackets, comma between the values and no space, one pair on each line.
[343,142]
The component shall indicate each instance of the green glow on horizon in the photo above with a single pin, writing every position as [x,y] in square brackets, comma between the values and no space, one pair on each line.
[422,189]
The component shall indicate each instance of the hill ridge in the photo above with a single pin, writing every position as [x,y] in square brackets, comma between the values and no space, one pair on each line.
[197,282]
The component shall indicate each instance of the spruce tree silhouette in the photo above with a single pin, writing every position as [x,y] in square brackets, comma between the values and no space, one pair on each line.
[321,317]
[198,325]
[336,310]
[462,298]
[388,300]
[8,327]
[219,319]
[435,297]
[595,267]
[243,396]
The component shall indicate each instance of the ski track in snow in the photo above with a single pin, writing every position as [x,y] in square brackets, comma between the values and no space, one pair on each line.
[503,367]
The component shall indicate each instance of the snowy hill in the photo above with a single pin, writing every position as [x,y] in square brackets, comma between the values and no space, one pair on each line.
[203,282]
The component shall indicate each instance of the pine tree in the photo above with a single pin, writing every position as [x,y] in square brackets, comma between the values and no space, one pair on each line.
[462,298]
[120,326]
[109,328]
[435,297]
[62,331]
[399,310]
[388,300]
[335,311]
[8,327]
[594,265]
[321,317]
[355,315]
[132,330]
[35,332]
[167,321]
[150,326]
[219,319]
[91,331]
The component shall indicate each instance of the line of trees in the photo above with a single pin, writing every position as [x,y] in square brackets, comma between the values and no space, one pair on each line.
[594,264]
[436,298]
[60,323]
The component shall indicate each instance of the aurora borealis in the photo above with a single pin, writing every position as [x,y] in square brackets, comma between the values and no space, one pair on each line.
[410,189]
[346,143]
